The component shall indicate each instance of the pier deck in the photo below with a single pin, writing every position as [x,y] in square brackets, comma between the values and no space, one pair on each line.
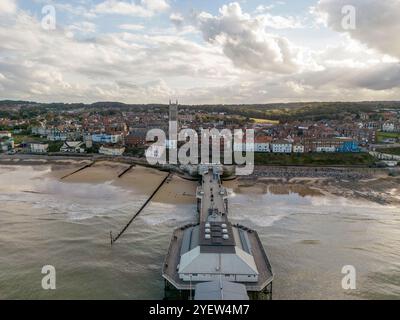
[214,248]
[173,257]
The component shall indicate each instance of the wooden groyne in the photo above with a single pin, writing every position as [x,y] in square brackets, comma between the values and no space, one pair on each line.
[114,239]
[126,170]
[80,169]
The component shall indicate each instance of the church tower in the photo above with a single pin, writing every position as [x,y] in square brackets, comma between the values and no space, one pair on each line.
[172,143]
[173,111]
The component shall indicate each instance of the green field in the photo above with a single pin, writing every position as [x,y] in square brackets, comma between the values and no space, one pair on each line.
[23,138]
[318,159]
[54,146]
[385,135]
[265,121]
[395,151]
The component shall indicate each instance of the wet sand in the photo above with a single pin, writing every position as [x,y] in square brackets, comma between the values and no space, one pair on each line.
[101,171]
[273,188]
[138,180]
[177,190]
[379,189]
[372,185]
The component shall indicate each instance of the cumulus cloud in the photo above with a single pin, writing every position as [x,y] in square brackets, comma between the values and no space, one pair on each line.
[238,58]
[177,19]
[84,28]
[281,22]
[81,10]
[377,22]
[377,77]
[264,8]
[131,27]
[245,41]
[381,77]
[58,67]
[143,8]
[7,7]
[155,5]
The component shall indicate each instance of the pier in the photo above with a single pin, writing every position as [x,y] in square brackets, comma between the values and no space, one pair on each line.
[214,259]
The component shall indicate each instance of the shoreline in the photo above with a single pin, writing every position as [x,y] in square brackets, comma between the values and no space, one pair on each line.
[80,158]
[372,184]
[267,172]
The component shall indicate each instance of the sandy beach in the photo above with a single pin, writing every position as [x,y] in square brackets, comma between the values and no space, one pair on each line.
[371,184]
[139,180]
[380,189]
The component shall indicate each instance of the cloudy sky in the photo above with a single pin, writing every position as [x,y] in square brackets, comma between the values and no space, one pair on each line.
[199,51]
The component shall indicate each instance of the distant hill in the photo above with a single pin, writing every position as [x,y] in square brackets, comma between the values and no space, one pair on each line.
[274,111]
[269,106]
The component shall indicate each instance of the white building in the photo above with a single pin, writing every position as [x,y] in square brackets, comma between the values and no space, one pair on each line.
[388,127]
[57,136]
[112,151]
[196,265]
[6,145]
[298,148]
[41,131]
[243,147]
[88,141]
[326,149]
[39,147]
[262,147]
[281,147]
[261,144]
[5,134]
[73,147]
[106,138]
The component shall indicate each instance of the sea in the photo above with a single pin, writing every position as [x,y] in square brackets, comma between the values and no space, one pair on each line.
[310,239]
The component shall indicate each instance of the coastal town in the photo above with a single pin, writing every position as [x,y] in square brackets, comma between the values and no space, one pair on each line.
[192,157]
[115,130]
